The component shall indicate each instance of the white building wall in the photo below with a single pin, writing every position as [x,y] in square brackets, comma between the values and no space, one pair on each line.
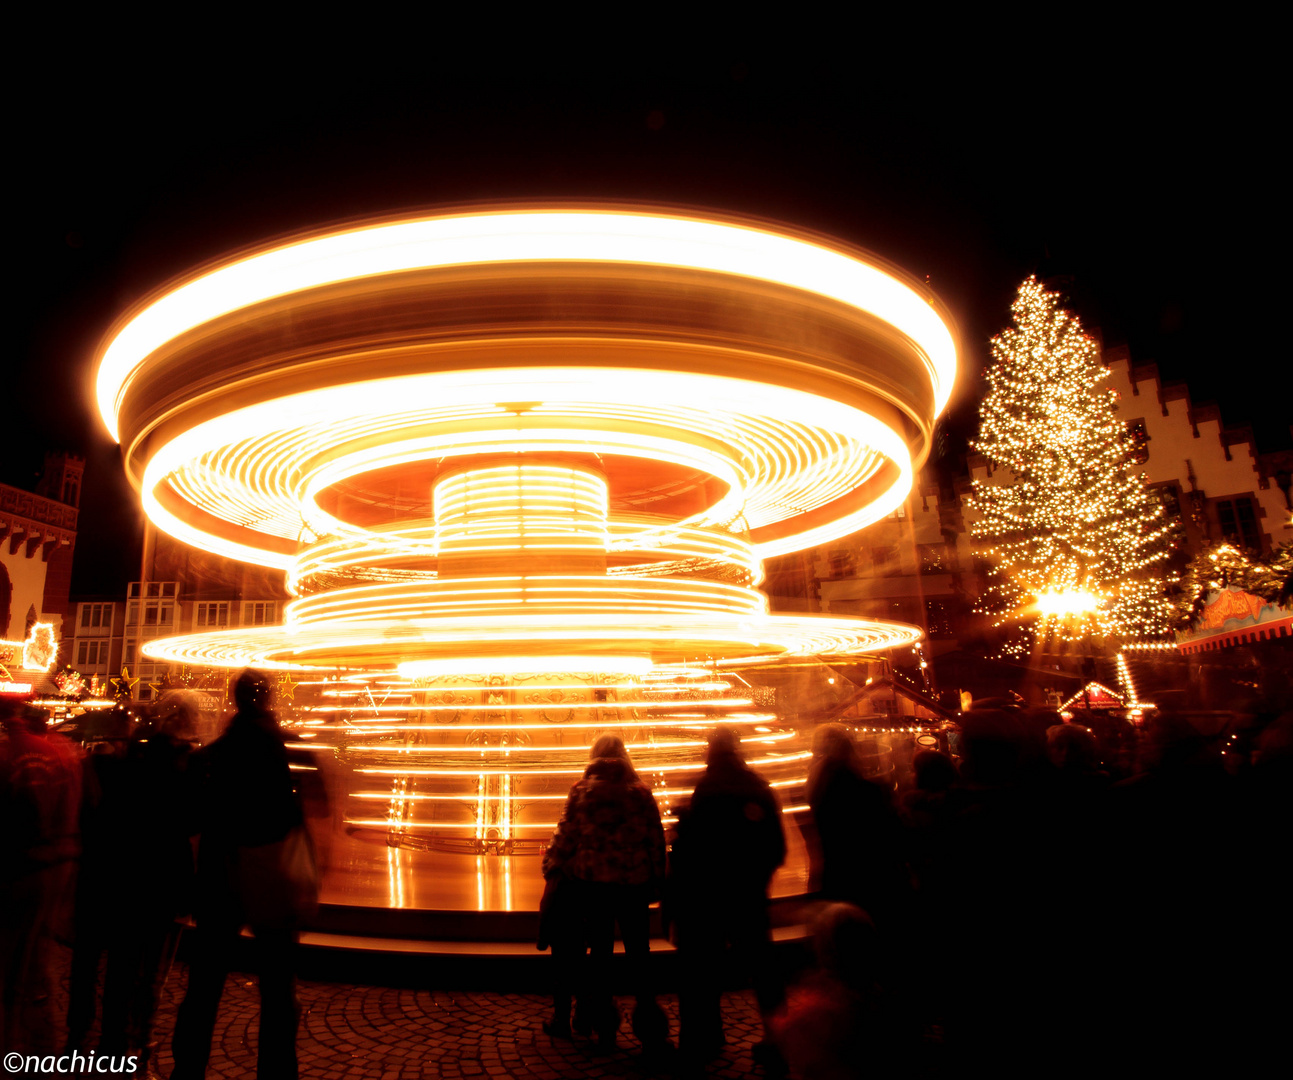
[1185,440]
[28,578]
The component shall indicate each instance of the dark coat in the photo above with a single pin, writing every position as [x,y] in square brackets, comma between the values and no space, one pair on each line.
[135,830]
[243,796]
[859,835]
[730,837]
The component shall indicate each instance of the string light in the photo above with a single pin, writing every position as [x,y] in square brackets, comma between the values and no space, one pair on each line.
[36,653]
[1075,539]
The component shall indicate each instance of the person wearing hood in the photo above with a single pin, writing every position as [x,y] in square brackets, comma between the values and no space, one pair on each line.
[610,844]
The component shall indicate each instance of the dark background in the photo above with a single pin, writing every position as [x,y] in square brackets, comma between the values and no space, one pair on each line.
[1139,175]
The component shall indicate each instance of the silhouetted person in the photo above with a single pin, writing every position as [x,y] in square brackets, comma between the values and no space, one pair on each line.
[995,882]
[729,843]
[135,878]
[857,829]
[610,844]
[249,872]
[40,793]
[108,861]
[1075,756]
[1181,862]
[927,810]
[1270,808]
[836,1023]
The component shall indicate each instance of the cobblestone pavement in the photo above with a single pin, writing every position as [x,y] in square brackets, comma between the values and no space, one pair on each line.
[387,1033]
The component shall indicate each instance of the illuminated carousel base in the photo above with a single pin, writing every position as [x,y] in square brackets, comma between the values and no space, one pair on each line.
[394,905]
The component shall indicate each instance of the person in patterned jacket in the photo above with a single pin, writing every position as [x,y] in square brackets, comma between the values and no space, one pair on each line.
[610,845]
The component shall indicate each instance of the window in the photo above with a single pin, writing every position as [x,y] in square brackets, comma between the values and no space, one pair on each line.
[95,654]
[164,615]
[133,617]
[1171,499]
[885,558]
[150,614]
[1238,521]
[134,588]
[1139,439]
[154,588]
[934,559]
[213,614]
[260,613]
[841,563]
[128,657]
[96,615]
[168,588]
[938,617]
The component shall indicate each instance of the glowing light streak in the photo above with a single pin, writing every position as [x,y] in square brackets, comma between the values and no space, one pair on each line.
[519,568]
[687,767]
[378,727]
[579,751]
[521,236]
[273,494]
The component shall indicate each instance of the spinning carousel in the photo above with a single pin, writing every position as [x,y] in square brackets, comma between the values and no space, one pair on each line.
[521,469]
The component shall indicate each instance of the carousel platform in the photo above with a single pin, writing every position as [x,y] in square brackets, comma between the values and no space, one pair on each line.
[390,911]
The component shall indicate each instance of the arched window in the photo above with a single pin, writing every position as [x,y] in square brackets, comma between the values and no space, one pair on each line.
[6,600]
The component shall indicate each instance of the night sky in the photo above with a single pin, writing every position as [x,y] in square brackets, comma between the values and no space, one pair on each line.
[1139,178]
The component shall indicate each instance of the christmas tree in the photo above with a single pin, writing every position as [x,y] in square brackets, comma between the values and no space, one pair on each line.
[1074,539]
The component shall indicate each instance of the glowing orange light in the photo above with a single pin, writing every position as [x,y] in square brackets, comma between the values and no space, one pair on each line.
[1067,602]
[38,652]
[524,595]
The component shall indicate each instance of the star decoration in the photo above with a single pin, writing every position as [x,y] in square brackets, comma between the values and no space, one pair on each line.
[125,684]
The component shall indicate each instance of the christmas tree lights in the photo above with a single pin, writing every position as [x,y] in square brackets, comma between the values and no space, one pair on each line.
[1074,537]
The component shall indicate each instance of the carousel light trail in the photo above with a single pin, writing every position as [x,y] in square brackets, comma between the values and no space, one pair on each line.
[521,236]
[607,421]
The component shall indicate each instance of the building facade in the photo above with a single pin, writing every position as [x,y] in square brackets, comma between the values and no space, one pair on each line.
[37,542]
[110,634]
[1209,474]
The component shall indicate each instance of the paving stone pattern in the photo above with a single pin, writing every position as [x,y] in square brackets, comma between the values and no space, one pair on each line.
[384,1033]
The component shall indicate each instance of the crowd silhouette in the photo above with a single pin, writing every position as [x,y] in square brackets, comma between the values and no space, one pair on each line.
[98,853]
[1058,895]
